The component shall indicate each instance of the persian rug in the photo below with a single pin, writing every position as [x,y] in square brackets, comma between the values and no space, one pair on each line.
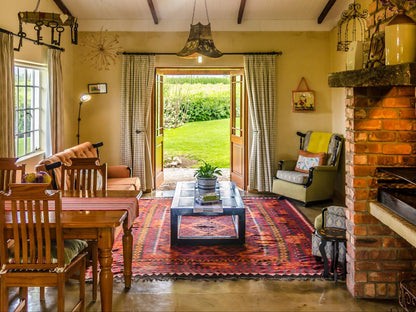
[278,244]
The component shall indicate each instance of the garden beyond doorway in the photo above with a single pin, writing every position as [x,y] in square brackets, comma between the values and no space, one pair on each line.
[196,121]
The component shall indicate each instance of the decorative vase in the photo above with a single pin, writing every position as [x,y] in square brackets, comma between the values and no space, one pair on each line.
[400,39]
[207,183]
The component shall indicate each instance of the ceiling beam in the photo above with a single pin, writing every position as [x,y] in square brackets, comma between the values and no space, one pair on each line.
[62,7]
[241,11]
[153,11]
[325,11]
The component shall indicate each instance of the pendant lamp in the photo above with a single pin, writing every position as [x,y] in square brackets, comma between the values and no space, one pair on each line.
[200,40]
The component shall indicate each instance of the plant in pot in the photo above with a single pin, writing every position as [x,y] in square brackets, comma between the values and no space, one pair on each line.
[207,175]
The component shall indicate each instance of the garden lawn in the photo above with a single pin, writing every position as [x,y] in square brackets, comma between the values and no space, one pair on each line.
[201,140]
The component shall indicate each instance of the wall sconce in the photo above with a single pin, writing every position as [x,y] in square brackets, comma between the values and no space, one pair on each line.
[82,99]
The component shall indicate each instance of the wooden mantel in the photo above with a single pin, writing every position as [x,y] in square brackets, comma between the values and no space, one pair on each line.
[381,76]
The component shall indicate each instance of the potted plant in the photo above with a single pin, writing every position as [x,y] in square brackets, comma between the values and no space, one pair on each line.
[207,175]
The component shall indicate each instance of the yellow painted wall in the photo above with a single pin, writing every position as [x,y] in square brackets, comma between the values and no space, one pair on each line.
[305,54]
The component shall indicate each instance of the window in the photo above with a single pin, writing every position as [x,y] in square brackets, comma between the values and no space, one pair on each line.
[29,105]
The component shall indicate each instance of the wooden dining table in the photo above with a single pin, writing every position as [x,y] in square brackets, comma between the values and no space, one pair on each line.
[95,216]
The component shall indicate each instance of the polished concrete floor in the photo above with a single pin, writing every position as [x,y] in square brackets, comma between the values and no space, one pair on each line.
[227,295]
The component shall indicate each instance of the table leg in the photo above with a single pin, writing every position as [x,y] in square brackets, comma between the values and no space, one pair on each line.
[323,254]
[173,227]
[242,227]
[335,260]
[127,254]
[105,243]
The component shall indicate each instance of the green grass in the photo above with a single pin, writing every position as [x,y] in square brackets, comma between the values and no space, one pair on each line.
[202,140]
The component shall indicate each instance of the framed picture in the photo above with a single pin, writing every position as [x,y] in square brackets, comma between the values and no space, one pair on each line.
[97,88]
[303,101]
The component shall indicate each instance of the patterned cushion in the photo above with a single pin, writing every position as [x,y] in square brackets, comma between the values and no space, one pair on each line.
[308,160]
[72,247]
[292,176]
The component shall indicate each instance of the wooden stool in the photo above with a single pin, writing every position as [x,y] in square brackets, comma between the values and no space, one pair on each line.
[335,236]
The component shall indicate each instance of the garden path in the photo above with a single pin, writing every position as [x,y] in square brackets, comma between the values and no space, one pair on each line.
[173,175]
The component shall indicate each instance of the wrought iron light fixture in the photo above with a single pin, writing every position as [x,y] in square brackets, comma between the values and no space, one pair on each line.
[200,40]
[55,22]
[352,26]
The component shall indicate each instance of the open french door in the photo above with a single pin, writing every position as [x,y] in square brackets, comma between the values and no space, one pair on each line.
[238,131]
[158,131]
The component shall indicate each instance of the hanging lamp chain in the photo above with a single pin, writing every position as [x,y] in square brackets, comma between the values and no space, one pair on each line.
[193,12]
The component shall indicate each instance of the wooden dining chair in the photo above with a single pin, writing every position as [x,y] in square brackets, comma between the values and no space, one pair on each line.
[40,257]
[85,174]
[10,172]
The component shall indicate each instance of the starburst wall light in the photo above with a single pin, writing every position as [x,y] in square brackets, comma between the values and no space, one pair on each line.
[102,49]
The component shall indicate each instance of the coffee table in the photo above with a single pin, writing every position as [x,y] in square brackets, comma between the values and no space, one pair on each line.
[184,204]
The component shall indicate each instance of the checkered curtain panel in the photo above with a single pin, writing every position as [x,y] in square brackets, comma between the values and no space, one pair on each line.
[6,96]
[138,72]
[55,141]
[260,75]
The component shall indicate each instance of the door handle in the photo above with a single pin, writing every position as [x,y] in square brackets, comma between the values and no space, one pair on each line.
[139,131]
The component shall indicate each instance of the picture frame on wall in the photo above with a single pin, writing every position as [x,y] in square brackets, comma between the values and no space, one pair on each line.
[303,100]
[97,88]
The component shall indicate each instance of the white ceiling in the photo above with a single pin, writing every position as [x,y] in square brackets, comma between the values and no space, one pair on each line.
[176,15]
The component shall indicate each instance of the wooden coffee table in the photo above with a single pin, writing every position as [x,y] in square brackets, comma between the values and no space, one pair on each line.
[184,204]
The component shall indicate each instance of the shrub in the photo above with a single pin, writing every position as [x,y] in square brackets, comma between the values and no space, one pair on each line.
[195,102]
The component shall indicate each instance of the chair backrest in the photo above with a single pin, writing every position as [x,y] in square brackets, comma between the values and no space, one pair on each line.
[334,147]
[10,172]
[84,174]
[35,228]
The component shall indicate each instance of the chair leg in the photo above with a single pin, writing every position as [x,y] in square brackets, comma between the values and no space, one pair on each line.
[82,285]
[24,297]
[42,293]
[94,250]
[4,297]
[61,292]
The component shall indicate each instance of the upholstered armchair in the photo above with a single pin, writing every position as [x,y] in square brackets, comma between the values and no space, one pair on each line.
[332,216]
[311,177]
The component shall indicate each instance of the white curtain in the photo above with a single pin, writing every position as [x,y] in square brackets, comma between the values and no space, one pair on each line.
[55,109]
[138,72]
[260,75]
[7,148]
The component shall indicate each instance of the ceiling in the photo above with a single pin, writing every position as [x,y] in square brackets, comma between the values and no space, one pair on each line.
[176,15]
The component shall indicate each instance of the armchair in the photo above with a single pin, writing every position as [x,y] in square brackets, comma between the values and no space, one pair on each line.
[311,177]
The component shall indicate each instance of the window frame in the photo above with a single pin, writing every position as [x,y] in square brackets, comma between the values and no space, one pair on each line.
[37,127]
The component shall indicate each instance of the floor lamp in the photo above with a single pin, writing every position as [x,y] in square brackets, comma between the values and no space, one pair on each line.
[82,99]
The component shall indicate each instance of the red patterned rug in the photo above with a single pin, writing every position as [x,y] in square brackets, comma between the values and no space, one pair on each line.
[278,244]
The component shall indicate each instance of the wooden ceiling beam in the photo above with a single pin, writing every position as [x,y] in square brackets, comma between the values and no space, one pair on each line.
[153,11]
[241,11]
[62,7]
[325,11]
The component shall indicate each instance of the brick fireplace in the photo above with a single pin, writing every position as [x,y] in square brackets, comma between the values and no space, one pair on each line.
[380,131]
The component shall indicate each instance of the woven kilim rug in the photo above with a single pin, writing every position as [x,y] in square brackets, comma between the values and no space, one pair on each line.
[278,244]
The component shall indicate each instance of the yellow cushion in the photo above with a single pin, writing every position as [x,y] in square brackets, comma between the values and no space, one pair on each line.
[318,142]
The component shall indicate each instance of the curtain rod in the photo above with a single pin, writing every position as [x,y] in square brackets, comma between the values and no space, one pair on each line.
[226,53]
[33,40]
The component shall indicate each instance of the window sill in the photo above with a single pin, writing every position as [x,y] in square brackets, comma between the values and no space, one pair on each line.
[30,156]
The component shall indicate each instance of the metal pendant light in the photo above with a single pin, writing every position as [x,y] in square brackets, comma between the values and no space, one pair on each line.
[200,40]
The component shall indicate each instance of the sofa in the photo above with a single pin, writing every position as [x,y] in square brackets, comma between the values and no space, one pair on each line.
[118,177]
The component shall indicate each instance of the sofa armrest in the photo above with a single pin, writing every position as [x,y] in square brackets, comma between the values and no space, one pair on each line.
[288,165]
[321,175]
[118,172]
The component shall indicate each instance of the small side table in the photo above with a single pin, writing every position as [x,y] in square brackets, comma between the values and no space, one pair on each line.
[335,236]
